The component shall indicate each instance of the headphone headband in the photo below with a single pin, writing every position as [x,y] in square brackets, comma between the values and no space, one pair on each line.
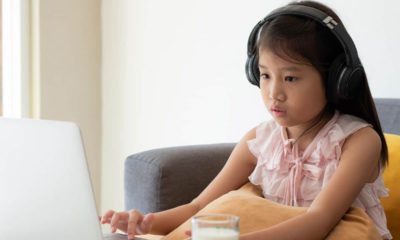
[319,16]
[346,72]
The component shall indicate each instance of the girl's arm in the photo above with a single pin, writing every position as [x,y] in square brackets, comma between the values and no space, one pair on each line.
[232,176]
[358,164]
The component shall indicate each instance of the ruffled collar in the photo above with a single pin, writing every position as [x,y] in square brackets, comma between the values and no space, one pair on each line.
[288,142]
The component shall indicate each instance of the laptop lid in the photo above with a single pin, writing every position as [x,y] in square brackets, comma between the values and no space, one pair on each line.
[45,189]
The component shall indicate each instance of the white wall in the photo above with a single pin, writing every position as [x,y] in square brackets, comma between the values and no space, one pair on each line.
[66,68]
[173,72]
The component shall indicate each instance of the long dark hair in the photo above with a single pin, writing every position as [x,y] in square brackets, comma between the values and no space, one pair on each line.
[301,39]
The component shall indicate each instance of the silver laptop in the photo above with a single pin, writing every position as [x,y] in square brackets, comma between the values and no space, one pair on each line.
[45,189]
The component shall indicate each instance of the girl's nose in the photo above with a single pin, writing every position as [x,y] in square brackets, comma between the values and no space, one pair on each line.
[276,91]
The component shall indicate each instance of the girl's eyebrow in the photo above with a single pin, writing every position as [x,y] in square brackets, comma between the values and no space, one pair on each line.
[288,68]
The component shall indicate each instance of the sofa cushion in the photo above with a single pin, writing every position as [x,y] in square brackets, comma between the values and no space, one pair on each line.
[391,175]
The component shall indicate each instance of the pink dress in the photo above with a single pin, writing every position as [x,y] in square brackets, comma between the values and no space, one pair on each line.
[295,179]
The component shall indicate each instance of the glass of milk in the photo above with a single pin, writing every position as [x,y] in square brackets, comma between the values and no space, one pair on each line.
[215,227]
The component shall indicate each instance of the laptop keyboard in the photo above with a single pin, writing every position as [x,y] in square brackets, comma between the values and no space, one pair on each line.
[118,236]
[115,236]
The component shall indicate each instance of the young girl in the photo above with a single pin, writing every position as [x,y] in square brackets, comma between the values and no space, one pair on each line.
[324,149]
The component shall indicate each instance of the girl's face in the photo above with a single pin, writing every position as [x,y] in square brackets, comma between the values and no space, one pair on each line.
[293,93]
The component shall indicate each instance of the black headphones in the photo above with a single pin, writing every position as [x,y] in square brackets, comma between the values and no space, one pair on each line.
[346,72]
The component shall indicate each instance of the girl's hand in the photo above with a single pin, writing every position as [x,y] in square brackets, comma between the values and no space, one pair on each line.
[132,222]
[188,233]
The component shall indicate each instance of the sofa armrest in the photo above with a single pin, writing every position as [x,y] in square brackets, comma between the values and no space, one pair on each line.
[164,178]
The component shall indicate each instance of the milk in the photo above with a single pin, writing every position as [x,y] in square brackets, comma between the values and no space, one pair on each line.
[213,233]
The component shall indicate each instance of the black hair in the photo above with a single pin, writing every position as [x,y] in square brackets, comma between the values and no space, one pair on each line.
[303,40]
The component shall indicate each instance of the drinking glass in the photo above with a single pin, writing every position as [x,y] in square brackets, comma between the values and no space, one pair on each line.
[215,227]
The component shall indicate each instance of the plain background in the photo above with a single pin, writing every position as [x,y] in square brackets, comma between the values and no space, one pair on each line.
[173,72]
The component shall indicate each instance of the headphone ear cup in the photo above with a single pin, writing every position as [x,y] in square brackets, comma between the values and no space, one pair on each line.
[343,81]
[335,79]
[351,81]
[252,71]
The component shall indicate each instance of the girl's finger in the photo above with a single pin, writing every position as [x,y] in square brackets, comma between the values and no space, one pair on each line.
[147,223]
[115,221]
[107,216]
[134,217]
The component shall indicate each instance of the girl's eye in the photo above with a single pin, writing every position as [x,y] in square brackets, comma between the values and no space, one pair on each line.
[290,79]
[264,76]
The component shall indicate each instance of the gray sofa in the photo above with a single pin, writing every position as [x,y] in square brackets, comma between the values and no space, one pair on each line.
[160,179]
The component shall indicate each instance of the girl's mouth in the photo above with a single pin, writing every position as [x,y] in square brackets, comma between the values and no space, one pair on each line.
[277,112]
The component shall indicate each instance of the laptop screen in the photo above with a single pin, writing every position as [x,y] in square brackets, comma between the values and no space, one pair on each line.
[44,182]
